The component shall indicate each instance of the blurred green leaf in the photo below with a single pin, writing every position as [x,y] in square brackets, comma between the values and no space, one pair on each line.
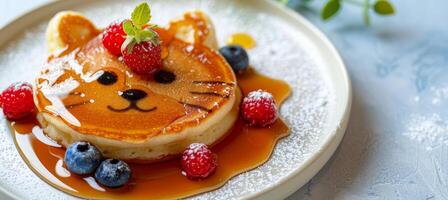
[330,9]
[383,7]
[366,12]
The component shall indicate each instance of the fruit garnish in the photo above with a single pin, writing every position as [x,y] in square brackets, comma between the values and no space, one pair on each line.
[236,56]
[17,101]
[141,49]
[259,109]
[113,173]
[198,161]
[137,29]
[82,158]
[145,58]
[114,37]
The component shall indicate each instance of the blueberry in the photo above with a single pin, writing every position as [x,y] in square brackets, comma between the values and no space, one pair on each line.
[113,173]
[82,158]
[236,56]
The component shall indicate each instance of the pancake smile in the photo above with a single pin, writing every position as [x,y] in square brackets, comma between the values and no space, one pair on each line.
[132,106]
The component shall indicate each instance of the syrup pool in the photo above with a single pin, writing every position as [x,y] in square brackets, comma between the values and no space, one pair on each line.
[244,148]
[243,39]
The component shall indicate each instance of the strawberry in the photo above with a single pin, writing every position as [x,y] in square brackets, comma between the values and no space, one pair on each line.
[17,101]
[198,161]
[258,109]
[144,58]
[113,38]
[141,49]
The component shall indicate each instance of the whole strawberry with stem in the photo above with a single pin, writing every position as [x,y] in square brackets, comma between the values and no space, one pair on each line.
[141,49]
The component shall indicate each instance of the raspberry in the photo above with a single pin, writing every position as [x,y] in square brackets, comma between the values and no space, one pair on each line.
[113,38]
[144,58]
[198,161]
[17,101]
[258,109]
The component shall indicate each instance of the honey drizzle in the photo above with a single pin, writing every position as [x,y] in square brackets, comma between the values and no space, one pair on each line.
[244,148]
[243,39]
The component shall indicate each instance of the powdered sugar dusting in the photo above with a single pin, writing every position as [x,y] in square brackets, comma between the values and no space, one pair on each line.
[259,94]
[431,131]
[23,86]
[283,54]
[440,94]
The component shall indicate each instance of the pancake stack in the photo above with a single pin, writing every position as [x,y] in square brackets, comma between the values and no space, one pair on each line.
[86,93]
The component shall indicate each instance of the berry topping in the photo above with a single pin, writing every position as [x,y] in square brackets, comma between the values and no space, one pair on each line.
[113,173]
[236,56]
[144,58]
[259,109]
[82,158]
[113,38]
[141,49]
[198,161]
[17,101]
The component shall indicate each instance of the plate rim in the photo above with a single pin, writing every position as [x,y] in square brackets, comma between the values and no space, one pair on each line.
[334,138]
[286,185]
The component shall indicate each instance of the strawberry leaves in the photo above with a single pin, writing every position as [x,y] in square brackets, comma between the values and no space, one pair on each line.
[136,29]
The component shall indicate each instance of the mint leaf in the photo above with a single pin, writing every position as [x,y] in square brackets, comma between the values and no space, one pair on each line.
[330,9]
[129,28]
[135,33]
[383,7]
[141,14]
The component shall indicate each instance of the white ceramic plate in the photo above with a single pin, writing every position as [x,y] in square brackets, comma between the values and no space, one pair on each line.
[288,48]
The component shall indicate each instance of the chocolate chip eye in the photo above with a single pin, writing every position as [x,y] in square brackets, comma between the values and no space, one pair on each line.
[108,78]
[164,77]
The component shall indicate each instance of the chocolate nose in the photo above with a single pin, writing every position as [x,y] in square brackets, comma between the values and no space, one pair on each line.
[133,94]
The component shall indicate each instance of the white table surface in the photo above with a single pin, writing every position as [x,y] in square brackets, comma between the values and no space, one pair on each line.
[396,143]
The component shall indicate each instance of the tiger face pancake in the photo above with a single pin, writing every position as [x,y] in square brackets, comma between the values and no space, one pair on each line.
[86,93]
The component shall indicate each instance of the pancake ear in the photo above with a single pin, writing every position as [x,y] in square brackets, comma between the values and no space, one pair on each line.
[195,27]
[67,31]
